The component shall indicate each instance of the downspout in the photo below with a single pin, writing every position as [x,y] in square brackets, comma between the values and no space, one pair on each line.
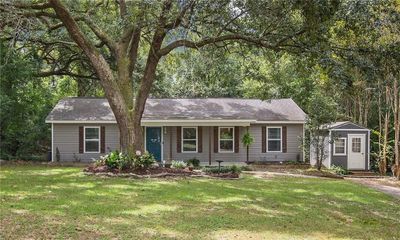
[330,149]
[52,142]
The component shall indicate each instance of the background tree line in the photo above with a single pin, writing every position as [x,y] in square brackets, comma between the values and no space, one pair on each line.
[352,63]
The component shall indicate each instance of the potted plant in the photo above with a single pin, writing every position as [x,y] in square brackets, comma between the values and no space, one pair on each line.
[247,140]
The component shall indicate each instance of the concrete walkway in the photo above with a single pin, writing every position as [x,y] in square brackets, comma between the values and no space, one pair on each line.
[373,183]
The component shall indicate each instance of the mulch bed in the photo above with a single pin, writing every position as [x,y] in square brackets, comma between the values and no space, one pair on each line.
[224,175]
[322,174]
[152,172]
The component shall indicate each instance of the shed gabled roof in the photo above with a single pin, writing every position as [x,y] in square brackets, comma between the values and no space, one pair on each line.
[344,125]
[98,109]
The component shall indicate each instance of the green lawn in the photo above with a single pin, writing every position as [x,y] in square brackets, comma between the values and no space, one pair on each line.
[61,202]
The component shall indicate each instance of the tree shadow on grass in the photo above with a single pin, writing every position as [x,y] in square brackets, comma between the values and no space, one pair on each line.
[194,208]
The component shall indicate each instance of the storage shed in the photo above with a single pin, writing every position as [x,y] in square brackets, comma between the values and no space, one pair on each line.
[347,146]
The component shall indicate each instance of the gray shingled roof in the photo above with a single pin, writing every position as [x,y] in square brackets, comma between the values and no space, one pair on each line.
[98,109]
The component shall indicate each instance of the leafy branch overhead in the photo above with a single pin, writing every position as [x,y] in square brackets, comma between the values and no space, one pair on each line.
[124,41]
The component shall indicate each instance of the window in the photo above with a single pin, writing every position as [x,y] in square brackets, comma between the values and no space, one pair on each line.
[339,146]
[189,139]
[274,136]
[356,145]
[92,139]
[226,139]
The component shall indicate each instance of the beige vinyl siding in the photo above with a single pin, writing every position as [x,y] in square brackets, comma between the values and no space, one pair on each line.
[66,139]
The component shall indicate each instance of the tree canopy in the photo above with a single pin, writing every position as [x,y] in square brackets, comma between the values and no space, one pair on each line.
[127,51]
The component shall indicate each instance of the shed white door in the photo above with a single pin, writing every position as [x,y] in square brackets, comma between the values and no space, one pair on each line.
[356,151]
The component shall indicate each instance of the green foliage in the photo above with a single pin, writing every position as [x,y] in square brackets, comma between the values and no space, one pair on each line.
[24,105]
[178,164]
[339,170]
[247,139]
[245,168]
[144,161]
[121,161]
[223,169]
[193,162]
[113,160]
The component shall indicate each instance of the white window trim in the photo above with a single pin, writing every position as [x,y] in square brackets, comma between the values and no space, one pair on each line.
[197,140]
[345,147]
[91,140]
[219,140]
[274,139]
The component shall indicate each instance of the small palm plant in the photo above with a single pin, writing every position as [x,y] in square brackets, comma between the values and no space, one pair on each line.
[247,140]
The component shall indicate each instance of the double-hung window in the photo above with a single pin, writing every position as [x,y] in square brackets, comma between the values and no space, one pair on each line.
[189,139]
[226,139]
[92,139]
[339,146]
[274,137]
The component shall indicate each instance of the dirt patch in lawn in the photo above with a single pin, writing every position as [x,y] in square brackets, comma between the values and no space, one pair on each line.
[387,185]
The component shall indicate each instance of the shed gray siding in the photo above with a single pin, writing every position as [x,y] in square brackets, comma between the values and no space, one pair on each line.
[66,139]
[342,160]
[294,151]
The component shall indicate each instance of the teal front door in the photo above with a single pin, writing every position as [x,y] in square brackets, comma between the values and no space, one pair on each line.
[154,141]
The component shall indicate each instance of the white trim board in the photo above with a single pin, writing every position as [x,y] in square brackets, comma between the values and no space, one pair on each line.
[345,147]
[79,121]
[183,122]
[233,140]
[281,122]
[281,139]
[356,130]
[197,140]
[98,140]
[52,142]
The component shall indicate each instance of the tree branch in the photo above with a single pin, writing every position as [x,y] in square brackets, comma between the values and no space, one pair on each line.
[103,36]
[190,44]
[181,15]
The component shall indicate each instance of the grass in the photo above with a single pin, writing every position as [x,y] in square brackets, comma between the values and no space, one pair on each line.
[61,202]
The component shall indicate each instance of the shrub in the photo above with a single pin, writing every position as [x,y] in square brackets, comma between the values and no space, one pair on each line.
[224,169]
[178,164]
[194,162]
[339,170]
[144,161]
[246,168]
[235,169]
[111,159]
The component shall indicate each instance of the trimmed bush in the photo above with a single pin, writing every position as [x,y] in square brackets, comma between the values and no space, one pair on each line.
[224,169]
[194,162]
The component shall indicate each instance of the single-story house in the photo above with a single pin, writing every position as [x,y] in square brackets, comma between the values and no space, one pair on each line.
[347,145]
[208,129]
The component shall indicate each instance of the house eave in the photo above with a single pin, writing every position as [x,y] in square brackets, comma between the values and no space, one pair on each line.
[182,122]
[81,121]
[194,122]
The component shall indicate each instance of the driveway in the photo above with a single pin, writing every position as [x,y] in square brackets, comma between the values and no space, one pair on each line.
[386,185]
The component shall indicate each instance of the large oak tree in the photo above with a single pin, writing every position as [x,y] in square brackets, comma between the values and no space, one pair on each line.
[123,42]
